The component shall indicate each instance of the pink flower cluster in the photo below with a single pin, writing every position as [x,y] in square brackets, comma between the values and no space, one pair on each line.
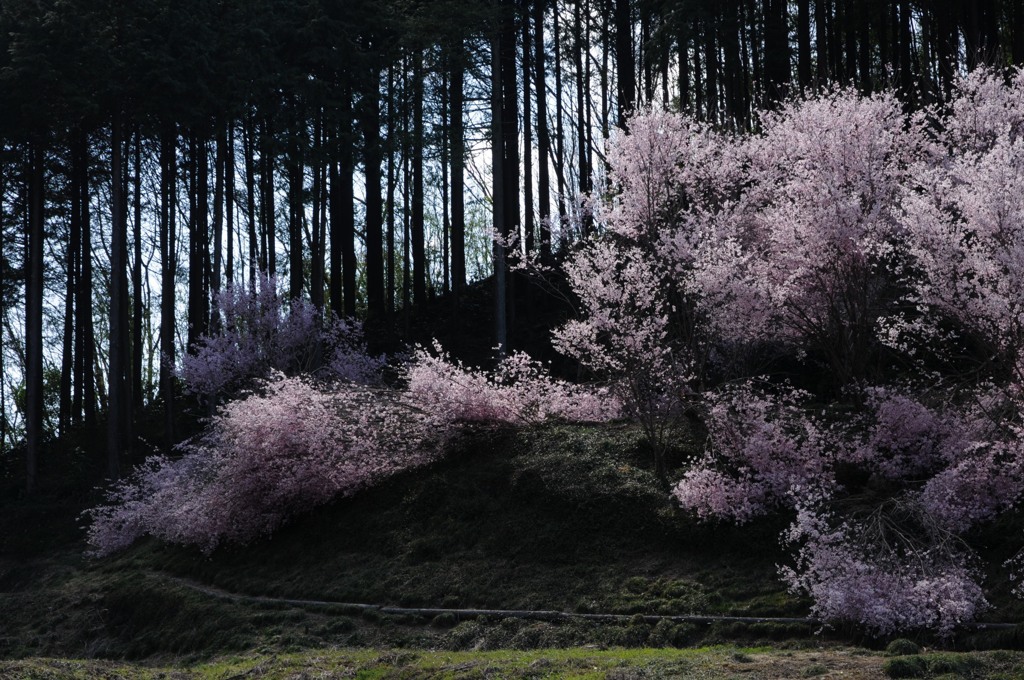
[259,333]
[855,582]
[843,227]
[280,452]
[763,449]
[519,391]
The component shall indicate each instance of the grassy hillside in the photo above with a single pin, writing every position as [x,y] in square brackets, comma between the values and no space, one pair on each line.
[555,518]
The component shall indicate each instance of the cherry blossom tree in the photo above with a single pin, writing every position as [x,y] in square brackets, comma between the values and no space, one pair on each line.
[264,459]
[518,392]
[260,333]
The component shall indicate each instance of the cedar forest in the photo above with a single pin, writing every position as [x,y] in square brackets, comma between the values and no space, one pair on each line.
[273,253]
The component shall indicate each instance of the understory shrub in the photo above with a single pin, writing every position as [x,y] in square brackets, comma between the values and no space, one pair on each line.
[279,452]
[518,391]
[259,332]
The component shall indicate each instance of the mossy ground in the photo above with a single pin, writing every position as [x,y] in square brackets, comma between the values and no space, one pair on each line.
[558,518]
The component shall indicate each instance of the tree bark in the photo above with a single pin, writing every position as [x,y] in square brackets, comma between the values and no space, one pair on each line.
[138,349]
[498,191]
[543,137]
[117,405]
[168,265]
[458,244]
[372,157]
[625,62]
[296,205]
[85,307]
[34,413]
[419,257]
[803,39]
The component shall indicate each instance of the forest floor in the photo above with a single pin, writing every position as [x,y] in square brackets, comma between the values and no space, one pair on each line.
[553,518]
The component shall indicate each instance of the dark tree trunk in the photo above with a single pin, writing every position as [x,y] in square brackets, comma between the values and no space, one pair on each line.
[1017,30]
[419,256]
[229,205]
[85,320]
[626,65]
[219,170]
[944,30]
[498,191]
[446,224]
[117,409]
[803,39]
[249,149]
[395,153]
[510,141]
[268,242]
[458,244]
[560,118]
[137,307]
[527,140]
[864,49]
[169,266]
[711,68]
[34,315]
[735,94]
[582,103]
[199,259]
[372,157]
[906,66]
[296,206]
[347,221]
[821,20]
[776,50]
[316,269]
[684,71]
[543,137]
[68,377]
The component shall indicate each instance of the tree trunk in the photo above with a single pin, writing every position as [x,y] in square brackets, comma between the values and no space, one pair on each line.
[395,149]
[249,149]
[711,68]
[219,194]
[372,157]
[117,408]
[137,308]
[498,191]
[625,63]
[559,121]
[510,137]
[419,257]
[581,44]
[268,242]
[296,206]
[199,259]
[543,138]
[528,225]
[229,205]
[85,320]
[347,220]
[906,68]
[316,269]
[168,265]
[445,185]
[68,377]
[34,414]
[803,39]
[458,244]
